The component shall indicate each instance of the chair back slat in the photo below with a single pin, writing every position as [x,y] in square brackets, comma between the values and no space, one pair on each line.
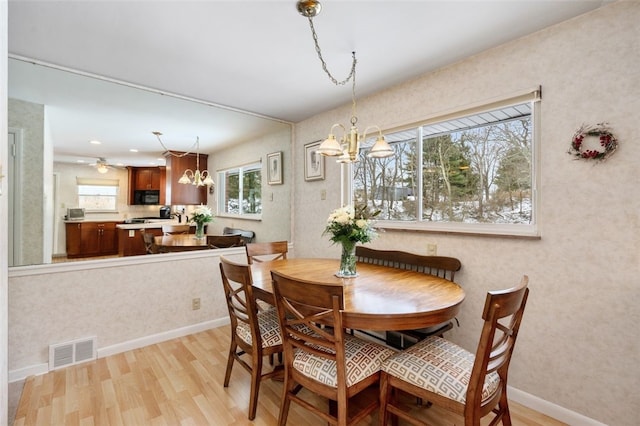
[238,289]
[440,266]
[260,252]
[311,321]
[497,339]
[224,241]
[175,229]
[150,243]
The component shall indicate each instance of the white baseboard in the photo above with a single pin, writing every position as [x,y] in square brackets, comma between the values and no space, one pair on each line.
[550,409]
[160,337]
[32,370]
[37,369]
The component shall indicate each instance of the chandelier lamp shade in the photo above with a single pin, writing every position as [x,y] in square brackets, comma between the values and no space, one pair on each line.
[347,148]
[190,177]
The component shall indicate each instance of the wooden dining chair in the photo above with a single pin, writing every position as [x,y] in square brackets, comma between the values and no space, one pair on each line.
[149,242]
[224,241]
[439,266]
[175,229]
[274,250]
[319,356]
[254,332]
[447,375]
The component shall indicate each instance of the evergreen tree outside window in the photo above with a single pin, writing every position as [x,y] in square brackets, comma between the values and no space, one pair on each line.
[473,173]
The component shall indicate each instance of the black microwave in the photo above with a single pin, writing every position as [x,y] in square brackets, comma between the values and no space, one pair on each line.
[146,197]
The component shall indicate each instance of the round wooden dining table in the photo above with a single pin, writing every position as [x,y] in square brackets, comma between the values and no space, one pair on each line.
[378,298]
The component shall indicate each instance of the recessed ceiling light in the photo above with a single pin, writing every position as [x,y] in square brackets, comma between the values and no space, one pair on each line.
[94,142]
[79,161]
[133,150]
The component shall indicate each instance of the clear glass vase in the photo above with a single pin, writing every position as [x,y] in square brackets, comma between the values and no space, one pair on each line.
[347,260]
[199,230]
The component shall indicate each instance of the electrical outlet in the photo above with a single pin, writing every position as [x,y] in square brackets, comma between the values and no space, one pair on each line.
[195,304]
[432,249]
[323,194]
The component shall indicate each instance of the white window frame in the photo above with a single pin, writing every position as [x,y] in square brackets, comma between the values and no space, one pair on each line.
[516,230]
[95,182]
[221,187]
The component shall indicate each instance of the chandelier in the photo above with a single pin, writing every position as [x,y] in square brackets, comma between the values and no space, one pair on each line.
[189,177]
[348,147]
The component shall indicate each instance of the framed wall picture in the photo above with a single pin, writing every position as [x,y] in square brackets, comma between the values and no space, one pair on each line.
[313,162]
[274,168]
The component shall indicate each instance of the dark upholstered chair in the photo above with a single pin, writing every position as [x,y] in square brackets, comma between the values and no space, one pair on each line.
[247,236]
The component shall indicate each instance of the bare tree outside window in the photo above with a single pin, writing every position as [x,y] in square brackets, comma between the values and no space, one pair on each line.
[475,169]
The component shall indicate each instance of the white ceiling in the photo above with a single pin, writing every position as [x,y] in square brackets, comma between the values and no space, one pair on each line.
[255,56]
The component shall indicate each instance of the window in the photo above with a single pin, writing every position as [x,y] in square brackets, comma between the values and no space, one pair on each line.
[98,195]
[469,173]
[240,191]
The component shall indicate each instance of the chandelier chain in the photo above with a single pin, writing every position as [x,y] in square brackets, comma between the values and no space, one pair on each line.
[351,75]
[184,154]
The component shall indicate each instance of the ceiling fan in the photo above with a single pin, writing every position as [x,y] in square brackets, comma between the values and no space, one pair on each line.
[101,165]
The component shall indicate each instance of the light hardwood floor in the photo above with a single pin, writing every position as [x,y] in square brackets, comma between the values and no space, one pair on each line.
[178,382]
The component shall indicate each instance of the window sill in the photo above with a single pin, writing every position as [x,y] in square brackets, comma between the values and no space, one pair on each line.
[476,230]
[255,217]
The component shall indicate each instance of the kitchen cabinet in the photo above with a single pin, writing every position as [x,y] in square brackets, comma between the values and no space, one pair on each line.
[130,241]
[88,239]
[147,179]
[178,193]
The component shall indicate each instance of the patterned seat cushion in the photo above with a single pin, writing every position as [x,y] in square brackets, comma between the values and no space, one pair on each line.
[439,366]
[269,329]
[363,358]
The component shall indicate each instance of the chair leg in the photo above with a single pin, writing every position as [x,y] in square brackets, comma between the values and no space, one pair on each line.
[287,389]
[256,372]
[232,351]
[503,406]
[384,398]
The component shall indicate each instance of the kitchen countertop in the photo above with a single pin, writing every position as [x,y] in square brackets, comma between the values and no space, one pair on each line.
[151,223]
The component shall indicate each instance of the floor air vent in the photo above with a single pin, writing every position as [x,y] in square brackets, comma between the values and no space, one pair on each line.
[74,352]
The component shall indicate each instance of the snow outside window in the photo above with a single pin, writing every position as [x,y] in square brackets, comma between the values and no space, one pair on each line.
[474,173]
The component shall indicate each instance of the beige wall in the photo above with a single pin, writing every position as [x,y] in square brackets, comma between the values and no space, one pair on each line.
[579,345]
[276,202]
[29,118]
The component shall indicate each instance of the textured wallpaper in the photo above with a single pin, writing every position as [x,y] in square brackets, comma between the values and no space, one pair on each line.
[578,347]
[29,119]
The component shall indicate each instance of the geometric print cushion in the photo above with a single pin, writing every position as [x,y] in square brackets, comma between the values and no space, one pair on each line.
[269,329]
[439,366]
[363,358]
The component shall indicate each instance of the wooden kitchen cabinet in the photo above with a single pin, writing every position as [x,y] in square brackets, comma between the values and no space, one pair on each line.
[130,241]
[88,239]
[147,179]
[178,193]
